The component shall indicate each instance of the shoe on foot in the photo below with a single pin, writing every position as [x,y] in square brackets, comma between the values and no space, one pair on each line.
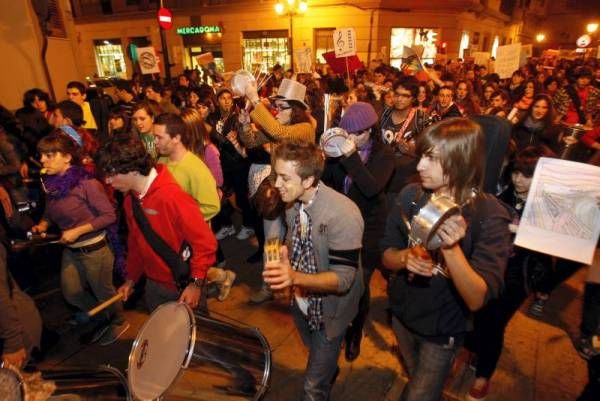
[225,286]
[536,307]
[587,347]
[224,232]
[260,296]
[112,335]
[478,391]
[244,233]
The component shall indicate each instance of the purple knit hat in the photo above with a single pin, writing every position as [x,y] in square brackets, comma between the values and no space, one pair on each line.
[358,117]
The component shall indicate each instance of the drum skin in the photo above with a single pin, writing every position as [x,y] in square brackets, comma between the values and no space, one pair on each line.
[181,355]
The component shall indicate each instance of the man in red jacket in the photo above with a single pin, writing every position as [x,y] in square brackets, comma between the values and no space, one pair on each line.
[172,214]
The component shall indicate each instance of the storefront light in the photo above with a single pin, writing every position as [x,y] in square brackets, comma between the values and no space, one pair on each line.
[106,42]
[540,37]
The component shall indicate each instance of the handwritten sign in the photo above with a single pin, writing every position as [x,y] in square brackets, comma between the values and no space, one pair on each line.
[507,60]
[481,58]
[148,60]
[303,60]
[344,42]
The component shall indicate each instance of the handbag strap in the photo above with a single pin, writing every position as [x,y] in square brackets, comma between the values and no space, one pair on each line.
[178,267]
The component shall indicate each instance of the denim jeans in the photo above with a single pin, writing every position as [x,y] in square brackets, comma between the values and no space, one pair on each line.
[428,364]
[323,355]
[92,270]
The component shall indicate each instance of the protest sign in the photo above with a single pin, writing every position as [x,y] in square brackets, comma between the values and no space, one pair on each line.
[507,60]
[148,60]
[303,60]
[344,42]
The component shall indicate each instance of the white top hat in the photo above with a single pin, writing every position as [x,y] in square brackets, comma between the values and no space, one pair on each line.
[291,91]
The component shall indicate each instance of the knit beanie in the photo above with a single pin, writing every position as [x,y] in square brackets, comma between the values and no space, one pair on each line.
[358,117]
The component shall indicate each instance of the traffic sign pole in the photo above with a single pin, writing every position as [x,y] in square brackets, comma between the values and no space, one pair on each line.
[165,21]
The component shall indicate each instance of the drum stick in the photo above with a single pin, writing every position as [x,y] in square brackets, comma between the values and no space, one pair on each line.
[104,305]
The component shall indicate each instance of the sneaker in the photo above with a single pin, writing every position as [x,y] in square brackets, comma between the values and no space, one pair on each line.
[95,334]
[244,233]
[116,331]
[260,296]
[224,232]
[225,286]
[536,307]
[478,393]
[586,348]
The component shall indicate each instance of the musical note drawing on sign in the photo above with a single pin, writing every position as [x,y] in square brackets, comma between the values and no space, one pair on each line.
[345,42]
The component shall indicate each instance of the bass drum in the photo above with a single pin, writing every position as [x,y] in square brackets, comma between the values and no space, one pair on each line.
[181,355]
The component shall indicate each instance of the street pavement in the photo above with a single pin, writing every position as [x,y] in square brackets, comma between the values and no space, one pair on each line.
[538,363]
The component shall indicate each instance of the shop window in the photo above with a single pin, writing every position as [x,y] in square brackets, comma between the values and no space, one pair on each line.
[56,25]
[110,60]
[411,37]
[323,42]
[266,51]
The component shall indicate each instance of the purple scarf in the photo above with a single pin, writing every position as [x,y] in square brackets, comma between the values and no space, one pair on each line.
[59,186]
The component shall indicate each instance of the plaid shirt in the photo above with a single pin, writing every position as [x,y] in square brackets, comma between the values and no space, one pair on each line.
[562,101]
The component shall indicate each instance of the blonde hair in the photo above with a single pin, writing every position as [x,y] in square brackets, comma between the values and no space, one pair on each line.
[461,153]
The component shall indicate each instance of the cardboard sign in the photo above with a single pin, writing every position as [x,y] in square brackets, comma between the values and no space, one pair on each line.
[507,60]
[205,58]
[148,60]
[344,42]
[481,58]
[303,60]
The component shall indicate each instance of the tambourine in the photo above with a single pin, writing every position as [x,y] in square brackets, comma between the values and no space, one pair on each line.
[331,140]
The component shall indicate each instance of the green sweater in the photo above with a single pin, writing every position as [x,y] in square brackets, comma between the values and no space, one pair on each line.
[195,178]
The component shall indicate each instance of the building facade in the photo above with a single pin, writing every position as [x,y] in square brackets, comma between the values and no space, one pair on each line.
[248,34]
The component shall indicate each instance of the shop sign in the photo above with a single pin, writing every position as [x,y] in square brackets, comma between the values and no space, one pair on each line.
[584,41]
[198,30]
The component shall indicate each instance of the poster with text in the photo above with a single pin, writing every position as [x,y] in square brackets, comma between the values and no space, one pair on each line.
[507,60]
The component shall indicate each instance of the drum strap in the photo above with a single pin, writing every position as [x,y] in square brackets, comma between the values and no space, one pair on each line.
[176,262]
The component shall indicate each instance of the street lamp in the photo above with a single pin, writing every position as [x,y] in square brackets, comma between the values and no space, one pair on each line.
[290,8]
[592,27]
[540,37]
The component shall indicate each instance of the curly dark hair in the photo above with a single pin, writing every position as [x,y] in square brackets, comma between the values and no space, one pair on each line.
[123,155]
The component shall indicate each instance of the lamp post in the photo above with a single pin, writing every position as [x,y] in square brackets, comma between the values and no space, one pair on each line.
[290,8]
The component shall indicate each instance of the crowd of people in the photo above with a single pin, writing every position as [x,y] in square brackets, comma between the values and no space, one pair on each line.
[141,186]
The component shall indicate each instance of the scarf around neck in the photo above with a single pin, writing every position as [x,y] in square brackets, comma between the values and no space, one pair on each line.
[59,186]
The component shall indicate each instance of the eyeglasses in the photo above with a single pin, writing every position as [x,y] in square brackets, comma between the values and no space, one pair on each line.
[405,95]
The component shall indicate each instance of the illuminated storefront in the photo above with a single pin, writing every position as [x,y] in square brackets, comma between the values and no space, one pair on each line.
[265,49]
[110,60]
[199,39]
[412,37]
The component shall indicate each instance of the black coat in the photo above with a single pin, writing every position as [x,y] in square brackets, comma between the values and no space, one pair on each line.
[369,181]
[524,136]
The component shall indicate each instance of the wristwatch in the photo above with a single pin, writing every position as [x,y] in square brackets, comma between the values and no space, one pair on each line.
[198,282]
